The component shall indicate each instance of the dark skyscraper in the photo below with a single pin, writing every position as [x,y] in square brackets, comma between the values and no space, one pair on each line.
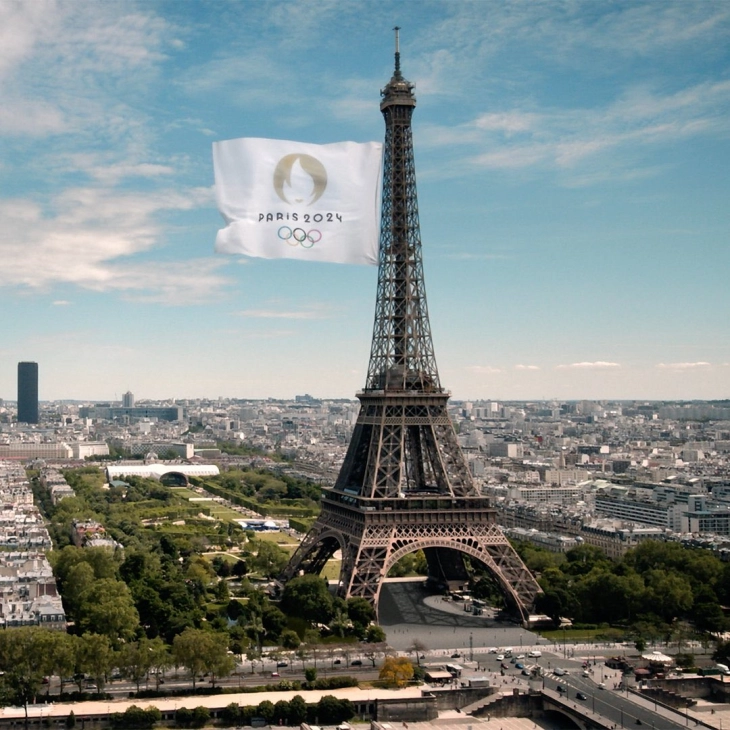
[27,392]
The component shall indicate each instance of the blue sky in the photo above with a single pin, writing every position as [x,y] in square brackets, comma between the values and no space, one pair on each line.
[572,163]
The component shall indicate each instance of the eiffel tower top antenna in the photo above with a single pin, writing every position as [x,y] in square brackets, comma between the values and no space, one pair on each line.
[401,356]
[397,50]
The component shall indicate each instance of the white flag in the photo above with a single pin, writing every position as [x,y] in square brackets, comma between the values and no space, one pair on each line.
[300,201]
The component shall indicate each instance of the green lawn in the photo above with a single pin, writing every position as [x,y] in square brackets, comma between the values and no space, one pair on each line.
[581,635]
[222,512]
[331,570]
[217,510]
[184,492]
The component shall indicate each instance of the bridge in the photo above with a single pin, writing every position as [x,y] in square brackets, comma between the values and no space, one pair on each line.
[586,706]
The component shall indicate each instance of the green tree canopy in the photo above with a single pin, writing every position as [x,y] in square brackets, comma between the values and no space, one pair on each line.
[308,597]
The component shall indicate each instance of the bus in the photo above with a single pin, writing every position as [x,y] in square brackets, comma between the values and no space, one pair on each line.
[454,669]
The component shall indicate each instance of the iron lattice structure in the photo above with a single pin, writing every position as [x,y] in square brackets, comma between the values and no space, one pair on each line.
[404,484]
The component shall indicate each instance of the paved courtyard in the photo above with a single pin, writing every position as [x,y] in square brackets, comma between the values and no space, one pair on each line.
[408,612]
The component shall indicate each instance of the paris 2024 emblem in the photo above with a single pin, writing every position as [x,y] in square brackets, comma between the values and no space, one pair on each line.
[300,179]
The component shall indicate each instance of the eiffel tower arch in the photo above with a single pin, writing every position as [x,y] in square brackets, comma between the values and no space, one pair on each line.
[405,484]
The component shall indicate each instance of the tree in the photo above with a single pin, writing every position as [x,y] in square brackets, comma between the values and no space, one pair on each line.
[274,620]
[722,652]
[307,596]
[63,654]
[396,671]
[217,661]
[289,639]
[708,616]
[222,593]
[135,661]
[187,651]
[670,594]
[360,611]
[333,711]
[97,657]
[24,659]
[281,712]
[107,608]
[265,709]
[582,559]
[297,710]
[269,560]
[160,658]
[201,716]
[340,622]
[255,628]
[417,647]
[375,634]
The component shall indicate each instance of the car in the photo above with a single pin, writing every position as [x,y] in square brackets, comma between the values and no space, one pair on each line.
[500,657]
[337,661]
[520,656]
[504,666]
[356,663]
[601,685]
[586,673]
[275,674]
[493,650]
[512,660]
[560,688]
[456,655]
[581,696]
[526,672]
[282,664]
[519,665]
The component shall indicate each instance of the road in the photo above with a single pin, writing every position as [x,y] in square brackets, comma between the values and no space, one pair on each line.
[611,704]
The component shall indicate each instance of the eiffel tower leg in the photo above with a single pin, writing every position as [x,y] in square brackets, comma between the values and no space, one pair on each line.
[318,546]
[364,576]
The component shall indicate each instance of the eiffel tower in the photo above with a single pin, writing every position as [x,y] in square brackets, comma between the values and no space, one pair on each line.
[404,484]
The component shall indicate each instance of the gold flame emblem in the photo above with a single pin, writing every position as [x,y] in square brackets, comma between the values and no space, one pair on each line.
[300,178]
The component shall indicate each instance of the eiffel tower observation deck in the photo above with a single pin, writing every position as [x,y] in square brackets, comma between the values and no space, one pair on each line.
[404,484]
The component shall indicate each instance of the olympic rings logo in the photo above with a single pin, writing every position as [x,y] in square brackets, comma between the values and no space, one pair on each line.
[299,237]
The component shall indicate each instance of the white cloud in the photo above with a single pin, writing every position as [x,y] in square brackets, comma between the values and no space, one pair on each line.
[565,140]
[61,303]
[483,369]
[508,122]
[683,365]
[312,312]
[598,365]
[527,367]
[86,231]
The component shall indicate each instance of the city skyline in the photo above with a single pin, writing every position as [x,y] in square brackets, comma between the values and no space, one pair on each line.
[571,176]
